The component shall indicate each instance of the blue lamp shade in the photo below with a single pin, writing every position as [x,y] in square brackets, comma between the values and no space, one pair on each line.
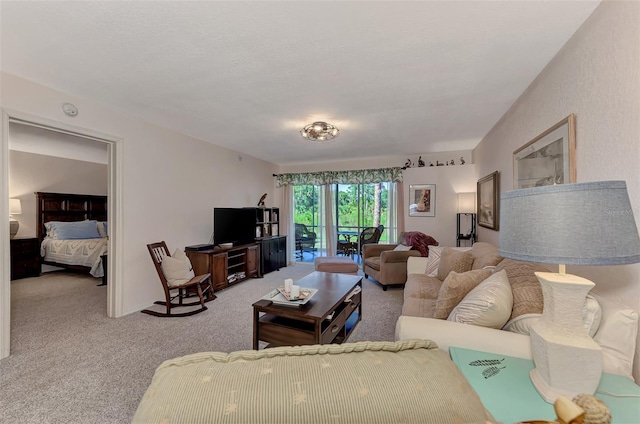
[572,224]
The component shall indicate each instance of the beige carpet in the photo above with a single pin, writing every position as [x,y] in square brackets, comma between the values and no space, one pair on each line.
[72,364]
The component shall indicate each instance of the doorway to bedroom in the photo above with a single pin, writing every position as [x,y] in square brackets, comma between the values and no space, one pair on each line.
[43,157]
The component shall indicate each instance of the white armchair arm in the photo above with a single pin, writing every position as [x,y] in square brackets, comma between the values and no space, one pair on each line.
[447,333]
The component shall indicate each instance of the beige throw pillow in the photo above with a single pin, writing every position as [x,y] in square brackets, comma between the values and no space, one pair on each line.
[454,288]
[177,268]
[487,305]
[454,260]
[527,293]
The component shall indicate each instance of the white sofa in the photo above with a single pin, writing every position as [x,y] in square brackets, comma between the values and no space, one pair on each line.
[616,334]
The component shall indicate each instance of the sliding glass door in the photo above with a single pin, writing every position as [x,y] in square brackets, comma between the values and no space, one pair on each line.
[357,206]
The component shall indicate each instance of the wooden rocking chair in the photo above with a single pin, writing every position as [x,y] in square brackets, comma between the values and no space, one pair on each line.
[199,285]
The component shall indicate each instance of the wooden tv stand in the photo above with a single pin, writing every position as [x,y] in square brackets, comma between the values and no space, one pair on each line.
[227,266]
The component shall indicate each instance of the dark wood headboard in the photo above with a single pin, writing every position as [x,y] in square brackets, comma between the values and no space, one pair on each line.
[68,207]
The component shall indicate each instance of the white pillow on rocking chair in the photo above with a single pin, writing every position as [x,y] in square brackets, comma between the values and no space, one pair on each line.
[177,269]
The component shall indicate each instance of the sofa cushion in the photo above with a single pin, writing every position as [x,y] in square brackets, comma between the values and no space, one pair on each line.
[453,260]
[454,288]
[484,254]
[487,305]
[373,262]
[527,293]
[420,294]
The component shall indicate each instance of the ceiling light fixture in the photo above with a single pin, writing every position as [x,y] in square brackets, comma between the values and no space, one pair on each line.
[320,131]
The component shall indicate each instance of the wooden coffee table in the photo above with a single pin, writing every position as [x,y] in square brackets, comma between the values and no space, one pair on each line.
[329,317]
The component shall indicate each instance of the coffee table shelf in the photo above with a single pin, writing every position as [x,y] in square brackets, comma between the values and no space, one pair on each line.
[329,317]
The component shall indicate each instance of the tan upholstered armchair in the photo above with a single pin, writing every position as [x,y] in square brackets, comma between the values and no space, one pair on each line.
[388,266]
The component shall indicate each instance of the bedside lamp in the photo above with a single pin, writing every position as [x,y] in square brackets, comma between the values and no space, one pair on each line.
[15,208]
[575,224]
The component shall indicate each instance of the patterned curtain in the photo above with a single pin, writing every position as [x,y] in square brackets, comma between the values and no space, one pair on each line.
[362,176]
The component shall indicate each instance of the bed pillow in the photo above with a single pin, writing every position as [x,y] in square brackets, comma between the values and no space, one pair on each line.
[73,230]
[177,268]
[454,288]
[103,229]
[454,260]
[402,248]
[487,305]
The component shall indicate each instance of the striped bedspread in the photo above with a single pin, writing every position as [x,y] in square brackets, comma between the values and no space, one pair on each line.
[411,381]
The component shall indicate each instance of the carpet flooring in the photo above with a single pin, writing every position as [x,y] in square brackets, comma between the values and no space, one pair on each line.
[69,363]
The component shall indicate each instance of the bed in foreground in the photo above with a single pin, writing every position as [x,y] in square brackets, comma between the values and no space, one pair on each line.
[364,382]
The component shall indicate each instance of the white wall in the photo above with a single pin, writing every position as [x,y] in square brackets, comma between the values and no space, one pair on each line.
[30,172]
[449,181]
[595,76]
[172,182]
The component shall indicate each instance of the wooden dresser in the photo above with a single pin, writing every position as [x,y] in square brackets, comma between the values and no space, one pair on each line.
[227,266]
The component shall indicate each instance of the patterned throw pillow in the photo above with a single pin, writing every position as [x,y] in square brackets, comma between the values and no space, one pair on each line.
[453,260]
[454,288]
[527,293]
[435,252]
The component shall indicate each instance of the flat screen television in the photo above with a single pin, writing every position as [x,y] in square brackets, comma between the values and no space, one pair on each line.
[234,225]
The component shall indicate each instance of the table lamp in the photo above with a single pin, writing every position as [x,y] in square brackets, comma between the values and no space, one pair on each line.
[15,208]
[569,224]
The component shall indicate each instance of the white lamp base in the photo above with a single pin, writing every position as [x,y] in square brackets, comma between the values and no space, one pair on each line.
[13,227]
[567,360]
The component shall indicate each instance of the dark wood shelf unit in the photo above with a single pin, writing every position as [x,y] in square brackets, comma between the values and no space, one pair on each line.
[274,253]
[273,245]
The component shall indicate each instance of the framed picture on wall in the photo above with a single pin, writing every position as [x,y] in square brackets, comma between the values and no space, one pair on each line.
[488,198]
[422,200]
[549,158]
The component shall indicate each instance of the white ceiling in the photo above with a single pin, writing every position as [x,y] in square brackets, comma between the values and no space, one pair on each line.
[397,78]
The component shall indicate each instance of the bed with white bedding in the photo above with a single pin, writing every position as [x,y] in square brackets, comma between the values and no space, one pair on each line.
[73,231]
[82,252]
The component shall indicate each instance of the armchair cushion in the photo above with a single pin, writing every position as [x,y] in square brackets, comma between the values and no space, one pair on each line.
[373,250]
[386,265]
